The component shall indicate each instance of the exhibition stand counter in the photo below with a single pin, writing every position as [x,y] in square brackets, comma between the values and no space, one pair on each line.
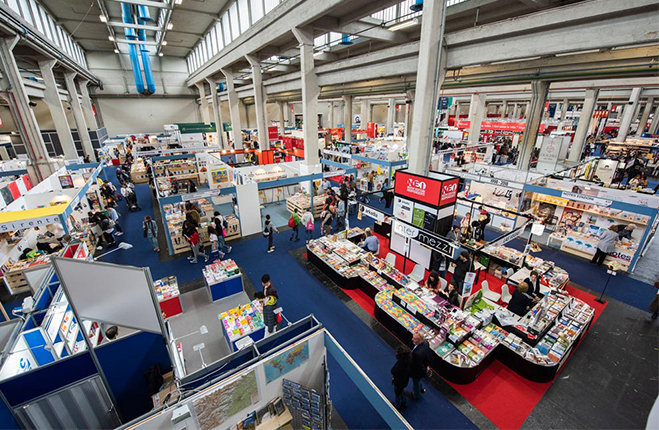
[243,322]
[169,296]
[222,279]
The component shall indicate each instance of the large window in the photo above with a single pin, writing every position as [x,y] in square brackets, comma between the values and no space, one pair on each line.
[243,12]
[235,24]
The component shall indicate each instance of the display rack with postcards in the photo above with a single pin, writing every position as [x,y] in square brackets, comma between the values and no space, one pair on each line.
[241,321]
[169,296]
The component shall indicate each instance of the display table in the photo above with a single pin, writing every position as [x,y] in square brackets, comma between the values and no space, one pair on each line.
[222,279]
[138,172]
[242,321]
[169,297]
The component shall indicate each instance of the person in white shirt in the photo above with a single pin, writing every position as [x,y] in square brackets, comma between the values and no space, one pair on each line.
[114,216]
[308,223]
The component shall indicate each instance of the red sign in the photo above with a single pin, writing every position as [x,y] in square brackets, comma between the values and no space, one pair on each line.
[370,129]
[449,192]
[498,125]
[273,132]
[419,188]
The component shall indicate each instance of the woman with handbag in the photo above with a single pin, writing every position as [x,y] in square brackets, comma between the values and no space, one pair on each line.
[151,232]
[308,223]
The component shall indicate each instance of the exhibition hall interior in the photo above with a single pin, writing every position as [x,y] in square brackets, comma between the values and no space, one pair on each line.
[329,214]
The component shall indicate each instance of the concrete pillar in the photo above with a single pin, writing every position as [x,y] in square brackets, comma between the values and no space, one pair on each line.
[409,115]
[586,116]
[310,93]
[515,111]
[234,110]
[645,116]
[431,69]
[4,155]
[203,103]
[331,115]
[457,110]
[477,112]
[217,113]
[86,101]
[363,107]
[366,112]
[347,117]
[533,119]
[526,109]
[57,112]
[504,109]
[564,106]
[259,101]
[19,103]
[391,115]
[628,114]
[78,115]
[654,127]
[282,116]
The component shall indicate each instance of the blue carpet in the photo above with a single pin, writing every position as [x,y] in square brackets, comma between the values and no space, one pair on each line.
[300,294]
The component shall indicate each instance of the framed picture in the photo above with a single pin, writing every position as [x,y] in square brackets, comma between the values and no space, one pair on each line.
[66,181]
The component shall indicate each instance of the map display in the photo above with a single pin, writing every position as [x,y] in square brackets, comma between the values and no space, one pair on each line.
[226,401]
[286,361]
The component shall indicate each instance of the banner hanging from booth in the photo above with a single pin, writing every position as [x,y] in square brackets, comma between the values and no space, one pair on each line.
[499,126]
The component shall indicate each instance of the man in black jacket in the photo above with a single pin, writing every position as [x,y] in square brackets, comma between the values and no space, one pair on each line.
[401,375]
[462,266]
[419,364]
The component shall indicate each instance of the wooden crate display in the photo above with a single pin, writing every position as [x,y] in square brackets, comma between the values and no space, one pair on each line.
[301,203]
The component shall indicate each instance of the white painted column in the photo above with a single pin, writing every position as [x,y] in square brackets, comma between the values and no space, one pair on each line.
[4,155]
[515,111]
[19,103]
[78,115]
[564,106]
[409,115]
[457,111]
[477,112]
[654,127]
[217,113]
[504,109]
[363,107]
[331,115]
[645,116]
[234,109]
[391,115]
[86,101]
[527,108]
[282,116]
[259,101]
[347,117]
[58,114]
[203,103]
[533,119]
[310,93]
[431,69]
[586,116]
[628,114]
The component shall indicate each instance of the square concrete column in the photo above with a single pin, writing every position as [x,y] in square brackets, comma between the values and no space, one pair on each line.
[628,115]
[504,109]
[310,93]
[259,102]
[217,113]
[586,116]
[364,114]
[431,69]
[234,109]
[654,127]
[409,115]
[78,115]
[564,106]
[515,111]
[86,102]
[331,115]
[533,120]
[58,114]
[19,104]
[203,103]
[391,115]
[477,112]
[282,116]
[347,117]
[644,116]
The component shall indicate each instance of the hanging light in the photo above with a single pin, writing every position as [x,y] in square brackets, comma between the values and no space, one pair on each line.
[102,18]
[170,26]
[417,6]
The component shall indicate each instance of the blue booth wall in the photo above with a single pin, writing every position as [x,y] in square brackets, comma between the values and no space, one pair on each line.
[125,362]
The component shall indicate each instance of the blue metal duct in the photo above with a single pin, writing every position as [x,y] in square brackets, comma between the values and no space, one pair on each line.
[142,18]
[127,17]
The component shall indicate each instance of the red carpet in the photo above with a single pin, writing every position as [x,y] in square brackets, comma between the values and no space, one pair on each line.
[362,300]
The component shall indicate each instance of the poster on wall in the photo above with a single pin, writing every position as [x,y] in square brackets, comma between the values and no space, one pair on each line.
[403,209]
[215,408]
[424,217]
[286,361]
[65,181]
[219,176]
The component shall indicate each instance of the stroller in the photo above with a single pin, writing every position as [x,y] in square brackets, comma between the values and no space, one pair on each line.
[131,202]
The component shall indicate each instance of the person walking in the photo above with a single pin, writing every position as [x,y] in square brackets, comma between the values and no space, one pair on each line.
[401,376]
[419,364]
[192,236]
[151,232]
[114,216]
[108,228]
[308,223]
[325,222]
[606,245]
[213,237]
[294,223]
[462,266]
[341,215]
[269,231]
[221,226]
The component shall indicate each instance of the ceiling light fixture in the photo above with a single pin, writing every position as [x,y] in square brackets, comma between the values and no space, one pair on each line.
[170,26]
[160,54]
[116,51]
[178,1]
[111,38]
[404,24]
[164,43]
[102,18]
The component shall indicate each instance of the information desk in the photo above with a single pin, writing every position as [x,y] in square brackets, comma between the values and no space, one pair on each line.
[242,321]
[222,279]
[169,297]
